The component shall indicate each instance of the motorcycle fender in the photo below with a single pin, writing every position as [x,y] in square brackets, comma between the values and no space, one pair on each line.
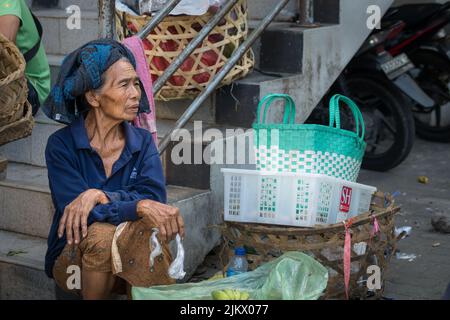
[442,47]
[365,62]
[410,87]
[446,48]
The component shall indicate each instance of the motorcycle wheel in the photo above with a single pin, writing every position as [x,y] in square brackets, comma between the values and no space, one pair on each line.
[433,76]
[388,119]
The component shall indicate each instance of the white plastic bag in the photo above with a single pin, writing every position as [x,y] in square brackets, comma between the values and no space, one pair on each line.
[121,6]
[176,268]
[156,247]
[191,7]
[188,7]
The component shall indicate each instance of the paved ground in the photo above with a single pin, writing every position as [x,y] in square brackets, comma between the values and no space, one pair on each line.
[427,276]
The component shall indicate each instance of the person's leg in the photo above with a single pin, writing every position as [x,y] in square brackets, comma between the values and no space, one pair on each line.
[67,282]
[96,285]
[97,280]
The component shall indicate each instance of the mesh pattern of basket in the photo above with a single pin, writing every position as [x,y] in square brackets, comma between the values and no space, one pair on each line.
[172,35]
[13,84]
[326,245]
[309,148]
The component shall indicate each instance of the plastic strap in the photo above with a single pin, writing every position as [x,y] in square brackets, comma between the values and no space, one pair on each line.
[375,228]
[335,117]
[289,108]
[335,113]
[115,255]
[347,255]
[33,51]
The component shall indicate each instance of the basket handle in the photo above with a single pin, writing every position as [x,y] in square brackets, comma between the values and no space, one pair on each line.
[266,102]
[335,117]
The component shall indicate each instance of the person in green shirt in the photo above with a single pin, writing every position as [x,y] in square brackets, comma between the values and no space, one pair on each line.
[18,25]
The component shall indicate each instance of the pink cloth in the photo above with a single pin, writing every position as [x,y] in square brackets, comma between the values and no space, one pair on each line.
[143,120]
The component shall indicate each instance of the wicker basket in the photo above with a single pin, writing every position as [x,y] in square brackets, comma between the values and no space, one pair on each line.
[172,35]
[13,112]
[326,245]
[20,128]
[13,85]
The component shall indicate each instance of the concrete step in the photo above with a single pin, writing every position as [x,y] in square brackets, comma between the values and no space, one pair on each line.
[324,11]
[258,10]
[22,268]
[31,149]
[58,39]
[91,5]
[279,49]
[187,159]
[237,104]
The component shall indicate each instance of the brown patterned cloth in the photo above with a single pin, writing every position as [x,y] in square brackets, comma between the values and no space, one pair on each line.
[94,254]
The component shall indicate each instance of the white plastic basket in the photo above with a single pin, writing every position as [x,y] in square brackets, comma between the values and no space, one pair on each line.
[301,200]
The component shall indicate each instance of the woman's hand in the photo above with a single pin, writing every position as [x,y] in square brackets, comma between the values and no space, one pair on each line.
[166,218]
[76,214]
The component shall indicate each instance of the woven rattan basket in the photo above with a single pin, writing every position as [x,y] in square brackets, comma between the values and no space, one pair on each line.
[172,35]
[326,245]
[13,85]
[18,129]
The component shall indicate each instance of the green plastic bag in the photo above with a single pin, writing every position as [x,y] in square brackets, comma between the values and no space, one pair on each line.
[293,276]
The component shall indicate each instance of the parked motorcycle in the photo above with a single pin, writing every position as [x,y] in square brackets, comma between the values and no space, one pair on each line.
[424,40]
[372,80]
[400,78]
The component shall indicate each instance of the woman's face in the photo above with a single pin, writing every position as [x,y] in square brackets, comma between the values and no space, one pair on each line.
[120,94]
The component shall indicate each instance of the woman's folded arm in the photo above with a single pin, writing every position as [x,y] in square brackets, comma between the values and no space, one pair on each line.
[114,212]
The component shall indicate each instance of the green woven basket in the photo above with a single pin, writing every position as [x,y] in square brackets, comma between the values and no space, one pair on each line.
[309,148]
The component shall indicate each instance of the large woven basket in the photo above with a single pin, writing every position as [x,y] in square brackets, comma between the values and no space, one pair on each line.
[326,245]
[172,35]
[13,85]
[20,128]
[309,148]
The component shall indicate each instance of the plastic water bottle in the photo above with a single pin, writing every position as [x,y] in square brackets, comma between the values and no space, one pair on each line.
[238,263]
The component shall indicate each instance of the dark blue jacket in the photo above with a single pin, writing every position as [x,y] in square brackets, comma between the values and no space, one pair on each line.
[74,167]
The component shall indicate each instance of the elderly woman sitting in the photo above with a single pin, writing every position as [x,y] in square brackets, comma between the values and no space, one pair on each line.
[104,173]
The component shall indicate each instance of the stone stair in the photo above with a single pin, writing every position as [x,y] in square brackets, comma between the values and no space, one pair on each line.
[22,268]
[312,60]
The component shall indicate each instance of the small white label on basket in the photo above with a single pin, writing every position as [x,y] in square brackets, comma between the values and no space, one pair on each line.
[346,199]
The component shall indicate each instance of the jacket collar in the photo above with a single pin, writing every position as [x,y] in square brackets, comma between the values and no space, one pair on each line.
[79,133]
